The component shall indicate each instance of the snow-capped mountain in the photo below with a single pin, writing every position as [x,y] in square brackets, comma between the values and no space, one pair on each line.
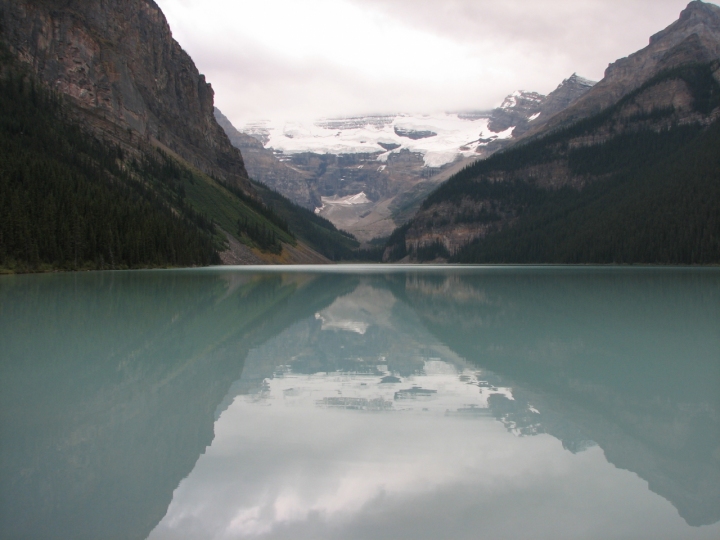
[440,138]
[367,174]
[518,109]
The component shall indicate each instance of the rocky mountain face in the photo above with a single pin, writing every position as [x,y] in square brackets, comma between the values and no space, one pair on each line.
[694,37]
[567,93]
[649,105]
[263,165]
[129,80]
[523,111]
[139,98]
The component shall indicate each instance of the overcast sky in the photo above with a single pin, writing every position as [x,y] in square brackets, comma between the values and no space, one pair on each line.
[300,59]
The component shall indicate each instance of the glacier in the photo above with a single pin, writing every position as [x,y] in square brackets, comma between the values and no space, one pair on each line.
[442,137]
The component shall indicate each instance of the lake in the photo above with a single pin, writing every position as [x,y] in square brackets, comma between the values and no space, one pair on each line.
[361,402]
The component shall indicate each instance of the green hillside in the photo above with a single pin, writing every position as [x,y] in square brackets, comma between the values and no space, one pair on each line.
[232,210]
[69,201]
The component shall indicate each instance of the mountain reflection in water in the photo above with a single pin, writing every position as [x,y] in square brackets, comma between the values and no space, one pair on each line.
[361,403]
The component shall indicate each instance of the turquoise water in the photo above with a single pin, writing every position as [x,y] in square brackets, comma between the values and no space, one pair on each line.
[361,403]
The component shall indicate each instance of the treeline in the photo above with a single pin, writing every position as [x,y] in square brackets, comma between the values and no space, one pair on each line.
[396,245]
[257,225]
[265,238]
[664,213]
[260,207]
[68,201]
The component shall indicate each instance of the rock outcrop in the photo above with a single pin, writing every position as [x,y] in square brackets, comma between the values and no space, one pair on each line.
[129,80]
[567,93]
[516,111]
[529,110]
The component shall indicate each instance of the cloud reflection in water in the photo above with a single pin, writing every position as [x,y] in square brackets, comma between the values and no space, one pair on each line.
[314,453]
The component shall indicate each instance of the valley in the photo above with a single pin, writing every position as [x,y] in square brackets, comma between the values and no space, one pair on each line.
[385,164]
[589,173]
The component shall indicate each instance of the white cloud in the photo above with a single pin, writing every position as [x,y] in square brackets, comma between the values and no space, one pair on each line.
[295,59]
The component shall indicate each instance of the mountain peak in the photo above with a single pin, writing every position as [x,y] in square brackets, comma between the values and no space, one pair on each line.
[700,8]
[567,93]
[577,79]
[697,18]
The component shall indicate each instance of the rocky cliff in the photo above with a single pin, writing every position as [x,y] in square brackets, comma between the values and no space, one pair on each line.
[129,80]
[565,95]
[517,109]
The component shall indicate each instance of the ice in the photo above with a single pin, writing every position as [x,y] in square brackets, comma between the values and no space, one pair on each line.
[509,102]
[350,200]
[456,136]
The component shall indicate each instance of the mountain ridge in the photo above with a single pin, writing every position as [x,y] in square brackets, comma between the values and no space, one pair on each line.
[627,74]
[112,81]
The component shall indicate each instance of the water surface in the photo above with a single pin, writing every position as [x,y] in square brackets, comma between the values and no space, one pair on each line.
[362,402]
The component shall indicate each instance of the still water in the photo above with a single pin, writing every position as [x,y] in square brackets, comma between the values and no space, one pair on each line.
[361,403]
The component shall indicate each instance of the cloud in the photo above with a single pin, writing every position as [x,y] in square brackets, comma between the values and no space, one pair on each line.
[282,471]
[297,59]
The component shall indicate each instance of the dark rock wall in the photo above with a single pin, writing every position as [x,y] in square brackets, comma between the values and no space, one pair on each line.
[130,80]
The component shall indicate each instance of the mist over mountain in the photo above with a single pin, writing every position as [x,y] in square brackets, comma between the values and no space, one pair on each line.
[694,37]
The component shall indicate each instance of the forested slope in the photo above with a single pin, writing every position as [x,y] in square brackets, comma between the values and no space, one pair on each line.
[666,212]
[67,201]
[70,200]
[316,231]
[637,183]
